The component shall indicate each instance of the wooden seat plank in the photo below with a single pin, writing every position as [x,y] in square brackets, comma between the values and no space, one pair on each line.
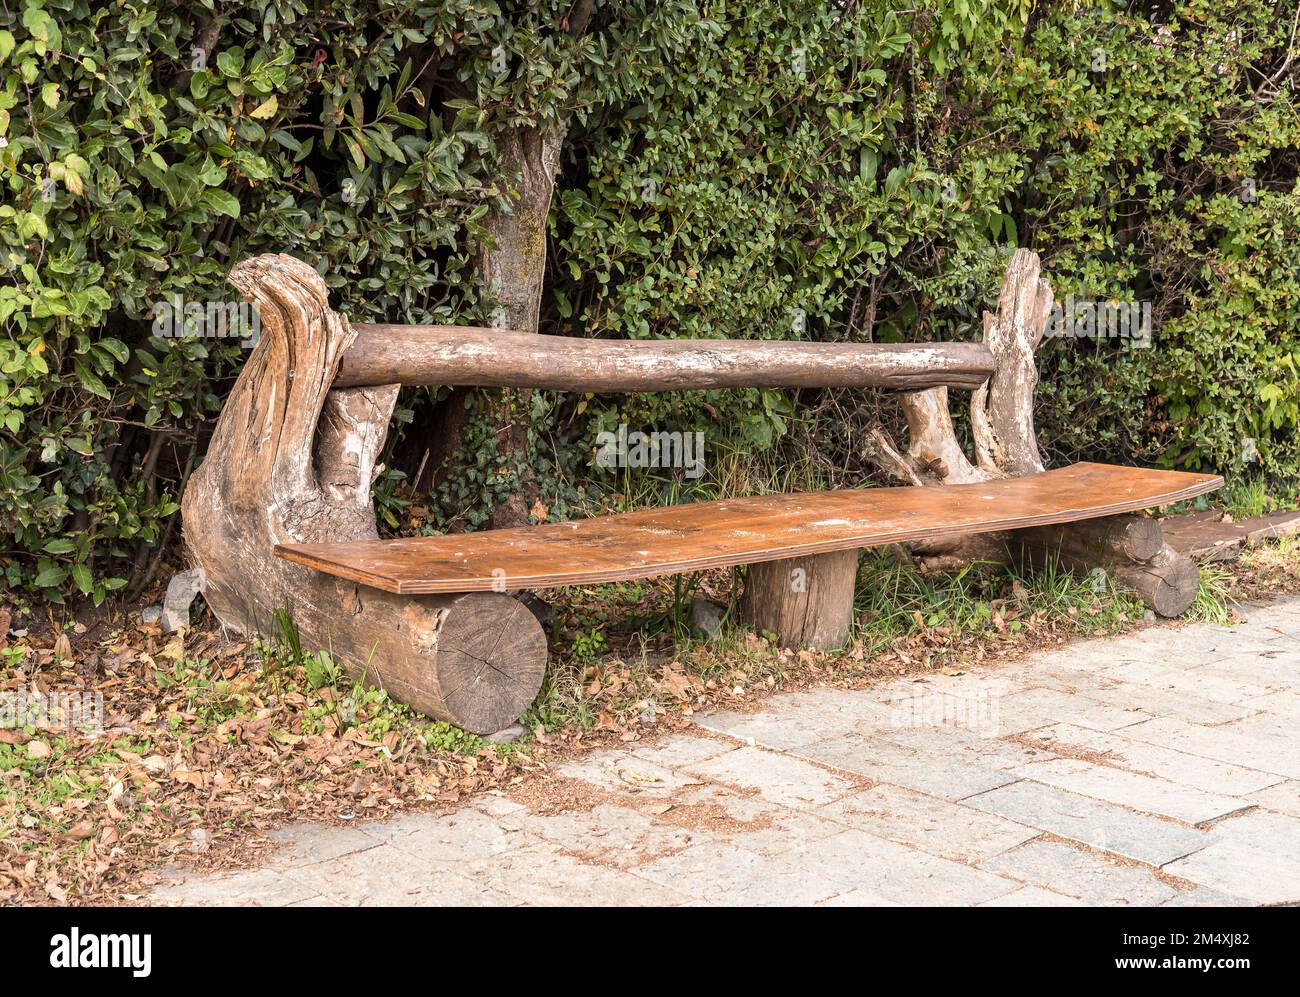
[740,531]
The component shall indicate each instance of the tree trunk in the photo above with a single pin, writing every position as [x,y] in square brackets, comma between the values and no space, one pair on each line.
[291,461]
[805,601]
[513,270]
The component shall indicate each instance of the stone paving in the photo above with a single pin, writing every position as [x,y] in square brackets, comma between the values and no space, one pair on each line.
[1162,768]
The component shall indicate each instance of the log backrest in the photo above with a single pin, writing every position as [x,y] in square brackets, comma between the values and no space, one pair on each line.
[1000,372]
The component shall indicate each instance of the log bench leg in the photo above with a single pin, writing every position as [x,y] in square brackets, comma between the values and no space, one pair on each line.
[806,601]
[1132,548]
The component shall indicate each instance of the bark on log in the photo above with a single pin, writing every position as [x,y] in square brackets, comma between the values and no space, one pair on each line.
[1002,407]
[806,601]
[933,455]
[1167,583]
[1100,541]
[291,462]
[1002,413]
[466,355]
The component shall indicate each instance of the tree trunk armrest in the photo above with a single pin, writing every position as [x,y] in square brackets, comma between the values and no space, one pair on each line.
[292,461]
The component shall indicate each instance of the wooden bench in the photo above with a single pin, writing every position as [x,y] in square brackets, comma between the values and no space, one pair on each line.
[279,515]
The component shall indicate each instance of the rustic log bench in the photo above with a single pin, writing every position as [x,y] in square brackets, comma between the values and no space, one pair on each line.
[279,515]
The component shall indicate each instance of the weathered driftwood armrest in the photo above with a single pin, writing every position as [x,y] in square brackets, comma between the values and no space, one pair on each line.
[292,461]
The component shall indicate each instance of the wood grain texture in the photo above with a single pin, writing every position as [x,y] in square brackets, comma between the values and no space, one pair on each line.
[1167,583]
[805,601]
[1112,538]
[292,461]
[467,355]
[740,531]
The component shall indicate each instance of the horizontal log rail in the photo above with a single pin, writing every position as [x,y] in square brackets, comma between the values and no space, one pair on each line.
[469,355]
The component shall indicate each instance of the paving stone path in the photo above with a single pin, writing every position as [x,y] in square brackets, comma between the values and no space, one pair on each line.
[1162,768]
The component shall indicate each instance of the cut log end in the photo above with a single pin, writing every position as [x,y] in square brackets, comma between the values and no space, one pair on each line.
[1167,583]
[490,661]
[807,602]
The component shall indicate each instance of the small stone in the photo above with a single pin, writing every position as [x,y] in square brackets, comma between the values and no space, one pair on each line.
[706,616]
[200,840]
[1149,616]
[511,733]
[151,615]
[540,608]
[181,590]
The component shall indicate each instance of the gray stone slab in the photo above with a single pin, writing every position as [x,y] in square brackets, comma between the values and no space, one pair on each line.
[949,830]
[628,775]
[857,898]
[1035,708]
[1102,687]
[1185,645]
[1281,797]
[466,834]
[1095,823]
[1136,792]
[1281,704]
[796,718]
[249,888]
[1280,730]
[612,836]
[1226,744]
[1255,857]
[1264,830]
[1185,678]
[1255,634]
[495,804]
[544,876]
[1081,874]
[719,813]
[1275,670]
[388,877]
[1032,896]
[1204,897]
[777,778]
[943,773]
[896,872]
[719,873]
[943,741]
[677,750]
[304,844]
[1156,761]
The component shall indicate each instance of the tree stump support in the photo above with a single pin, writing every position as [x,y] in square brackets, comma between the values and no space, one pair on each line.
[292,461]
[807,602]
[1002,426]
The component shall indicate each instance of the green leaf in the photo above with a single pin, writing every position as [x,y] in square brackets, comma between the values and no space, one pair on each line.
[82,578]
[222,202]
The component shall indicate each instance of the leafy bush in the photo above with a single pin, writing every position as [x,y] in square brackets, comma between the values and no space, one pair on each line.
[848,170]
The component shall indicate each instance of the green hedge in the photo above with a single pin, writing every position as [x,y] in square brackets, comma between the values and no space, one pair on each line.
[826,170]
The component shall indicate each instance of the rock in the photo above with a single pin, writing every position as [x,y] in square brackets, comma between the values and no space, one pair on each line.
[539,607]
[181,590]
[510,733]
[200,840]
[1148,617]
[151,614]
[706,616]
